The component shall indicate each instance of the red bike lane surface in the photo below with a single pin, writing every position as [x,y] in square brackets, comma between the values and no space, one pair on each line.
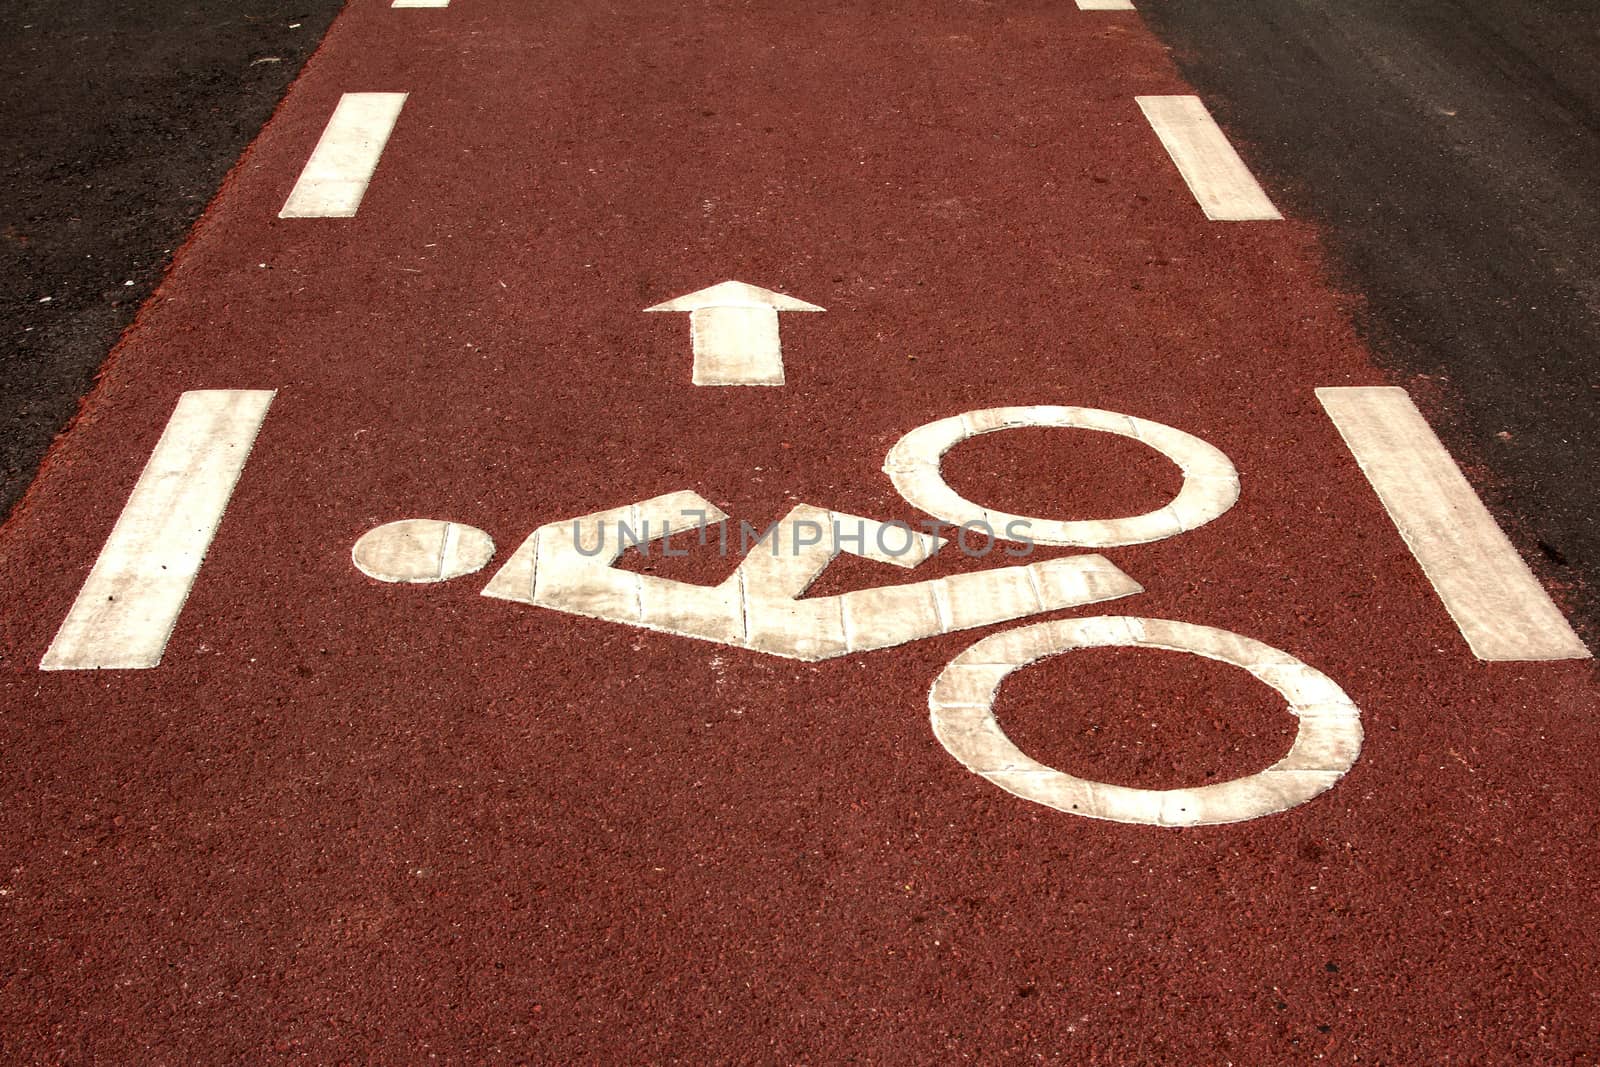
[345,820]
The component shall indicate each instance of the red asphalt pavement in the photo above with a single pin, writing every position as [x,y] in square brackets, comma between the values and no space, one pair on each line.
[345,821]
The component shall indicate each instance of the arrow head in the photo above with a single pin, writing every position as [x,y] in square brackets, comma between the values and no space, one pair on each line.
[735,295]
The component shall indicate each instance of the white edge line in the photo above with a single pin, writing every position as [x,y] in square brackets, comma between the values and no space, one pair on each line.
[1218,178]
[335,178]
[1498,605]
[126,609]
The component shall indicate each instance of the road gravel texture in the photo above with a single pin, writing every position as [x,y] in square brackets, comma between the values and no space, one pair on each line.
[348,820]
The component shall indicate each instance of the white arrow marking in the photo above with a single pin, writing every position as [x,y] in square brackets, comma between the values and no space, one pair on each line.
[735,331]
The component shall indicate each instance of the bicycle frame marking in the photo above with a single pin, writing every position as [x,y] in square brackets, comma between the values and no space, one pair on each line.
[761,606]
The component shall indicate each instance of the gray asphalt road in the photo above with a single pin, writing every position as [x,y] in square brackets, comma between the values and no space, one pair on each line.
[1452,148]
[118,122]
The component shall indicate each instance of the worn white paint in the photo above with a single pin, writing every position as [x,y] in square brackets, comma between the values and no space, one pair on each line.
[421,550]
[1105,5]
[336,176]
[734,332]
[762,605]
[1219,179]
[1495,600]
[127,607]
[1210,482]
[961,707]
[420,3]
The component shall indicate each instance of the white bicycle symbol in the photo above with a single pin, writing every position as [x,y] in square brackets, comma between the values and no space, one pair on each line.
[761,606]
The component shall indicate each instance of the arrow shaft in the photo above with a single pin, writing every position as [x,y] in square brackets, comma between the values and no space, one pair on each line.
[736,346]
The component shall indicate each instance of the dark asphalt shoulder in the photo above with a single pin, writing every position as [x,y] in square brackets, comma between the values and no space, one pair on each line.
[117,125]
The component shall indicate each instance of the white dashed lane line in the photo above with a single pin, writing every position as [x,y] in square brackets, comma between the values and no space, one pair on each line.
[1494,598]
[127,607]
[420,3]
[1105,5]
[1210,481]
[1220,181]
[335,177]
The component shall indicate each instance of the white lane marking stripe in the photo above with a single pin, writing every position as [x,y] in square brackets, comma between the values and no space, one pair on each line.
[1104,5]
[420,3]
[335,177]
[1220,181]
[130,602]
[1494,598]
